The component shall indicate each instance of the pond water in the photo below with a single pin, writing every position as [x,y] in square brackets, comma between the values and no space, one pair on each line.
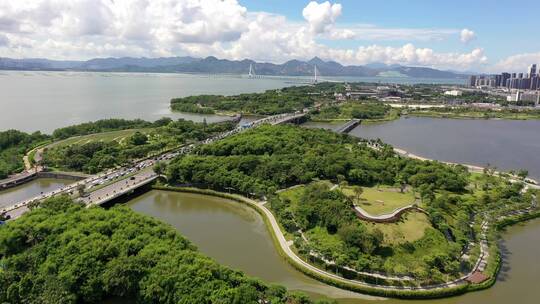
[31,189]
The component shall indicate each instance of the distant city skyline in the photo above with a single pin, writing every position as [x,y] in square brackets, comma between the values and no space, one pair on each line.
[520,81]
[477,36]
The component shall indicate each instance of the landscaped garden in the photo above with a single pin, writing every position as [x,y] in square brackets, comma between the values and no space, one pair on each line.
[379,200]
[324,175]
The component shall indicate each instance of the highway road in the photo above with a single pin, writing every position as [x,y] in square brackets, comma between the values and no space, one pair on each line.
[99,188]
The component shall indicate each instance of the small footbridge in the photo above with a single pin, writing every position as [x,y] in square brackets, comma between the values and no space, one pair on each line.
[346,128]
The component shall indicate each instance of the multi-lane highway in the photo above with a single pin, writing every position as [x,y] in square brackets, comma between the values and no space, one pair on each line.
[113,183]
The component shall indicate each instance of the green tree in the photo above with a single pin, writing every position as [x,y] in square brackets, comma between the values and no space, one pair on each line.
[159,168]
[138,138]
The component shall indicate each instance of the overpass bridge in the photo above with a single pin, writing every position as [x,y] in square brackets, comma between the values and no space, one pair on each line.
[114,183]
[346,128]
[286,118]
[119,188]
[20,178]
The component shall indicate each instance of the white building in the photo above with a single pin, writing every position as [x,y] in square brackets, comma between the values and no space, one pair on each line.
[524,96]
[453,93]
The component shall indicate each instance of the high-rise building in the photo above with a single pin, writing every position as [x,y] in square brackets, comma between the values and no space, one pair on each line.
[504,79]
[520,81]
[498,80]
[525,83]
[532,70]
[472,81]
[535,83]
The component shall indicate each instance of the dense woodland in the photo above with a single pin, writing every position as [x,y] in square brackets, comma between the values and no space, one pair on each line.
[268,158]
[105,125]
[96,156]
[13,146]
[359,110]
[62,252]
[286,100]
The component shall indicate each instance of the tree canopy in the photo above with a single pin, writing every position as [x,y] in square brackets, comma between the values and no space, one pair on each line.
[267,158]
[13,146]
[96,156]
[271,102]
[62,252]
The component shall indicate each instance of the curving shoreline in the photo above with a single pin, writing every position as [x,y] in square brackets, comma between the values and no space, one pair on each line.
[529,182]
[455,287]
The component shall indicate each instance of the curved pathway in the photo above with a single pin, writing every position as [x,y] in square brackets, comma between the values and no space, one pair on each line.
[394,216]
[285,248]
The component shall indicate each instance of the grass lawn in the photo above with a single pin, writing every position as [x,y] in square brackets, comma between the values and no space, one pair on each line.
[411,228]
[294,193]
[379,201]
[104,137]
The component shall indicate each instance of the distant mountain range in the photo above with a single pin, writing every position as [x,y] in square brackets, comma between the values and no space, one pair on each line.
[211,65]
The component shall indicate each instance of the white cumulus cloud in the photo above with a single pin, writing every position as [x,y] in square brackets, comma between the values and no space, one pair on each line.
[321,17]
[516,63]
[409,54]
[4,41]
[467,35]
[82,29]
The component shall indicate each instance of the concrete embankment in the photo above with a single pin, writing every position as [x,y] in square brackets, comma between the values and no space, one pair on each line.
[62,175]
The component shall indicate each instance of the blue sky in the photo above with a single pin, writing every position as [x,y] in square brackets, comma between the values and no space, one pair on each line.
[502,28]
[473,35]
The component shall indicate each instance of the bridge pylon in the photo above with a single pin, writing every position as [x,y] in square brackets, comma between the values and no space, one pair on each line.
[251,73]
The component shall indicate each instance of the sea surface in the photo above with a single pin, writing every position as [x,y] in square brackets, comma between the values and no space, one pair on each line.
[32,101]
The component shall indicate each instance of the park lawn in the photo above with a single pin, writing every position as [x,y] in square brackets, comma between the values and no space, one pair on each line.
[294,193]
[410,228]
[381,200]
[118,136]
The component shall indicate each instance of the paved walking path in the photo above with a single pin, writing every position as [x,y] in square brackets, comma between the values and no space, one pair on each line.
[386,218]
[285,247]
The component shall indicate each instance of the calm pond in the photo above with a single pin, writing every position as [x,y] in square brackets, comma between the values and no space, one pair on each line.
[31,189]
